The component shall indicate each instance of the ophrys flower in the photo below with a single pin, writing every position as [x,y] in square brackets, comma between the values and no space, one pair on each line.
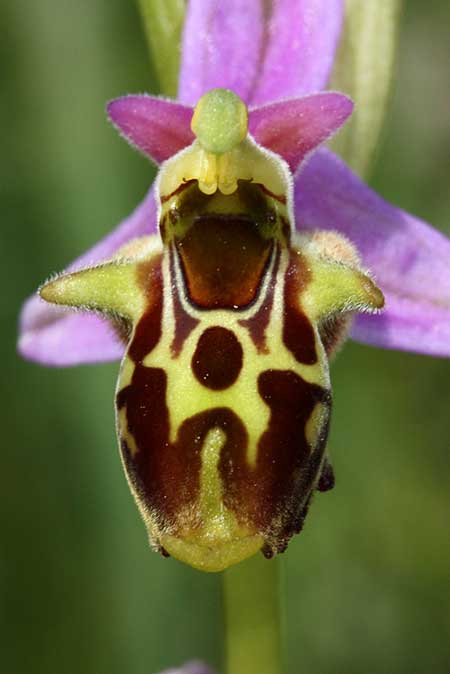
[229,251]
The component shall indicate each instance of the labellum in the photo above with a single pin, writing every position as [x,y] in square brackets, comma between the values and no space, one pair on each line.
[230,316]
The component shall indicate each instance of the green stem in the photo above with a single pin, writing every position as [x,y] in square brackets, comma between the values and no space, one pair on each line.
[252,617]
[163,23]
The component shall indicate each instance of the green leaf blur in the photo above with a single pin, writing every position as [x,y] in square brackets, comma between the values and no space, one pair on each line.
[365,70]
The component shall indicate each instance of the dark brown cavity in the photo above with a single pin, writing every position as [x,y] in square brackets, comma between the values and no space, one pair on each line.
[257,324]
[272,495]
[223,259]
[298,333]
[217,360]
[223,243]
[148,330]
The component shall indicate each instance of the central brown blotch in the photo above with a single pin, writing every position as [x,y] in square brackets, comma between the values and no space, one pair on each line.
[223,242]
[223,259]
[217,360]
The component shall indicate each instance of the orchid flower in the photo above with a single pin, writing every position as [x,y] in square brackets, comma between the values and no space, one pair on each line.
[260,262]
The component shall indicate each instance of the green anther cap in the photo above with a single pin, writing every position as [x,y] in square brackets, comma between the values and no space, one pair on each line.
[220,121]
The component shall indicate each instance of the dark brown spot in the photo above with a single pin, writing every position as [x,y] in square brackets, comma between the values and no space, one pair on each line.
[257,324]
[217,360]
[268,551]
[272,495]
[326,480]
[298,333]
[148,330]
[184,322]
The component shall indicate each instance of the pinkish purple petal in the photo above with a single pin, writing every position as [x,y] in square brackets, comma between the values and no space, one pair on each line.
[295,127]
[222,46]
[157,127]
[302,37]
[409,259]
[55,336]
[68,338]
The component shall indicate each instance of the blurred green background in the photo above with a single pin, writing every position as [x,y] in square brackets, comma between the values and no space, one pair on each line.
[367,585]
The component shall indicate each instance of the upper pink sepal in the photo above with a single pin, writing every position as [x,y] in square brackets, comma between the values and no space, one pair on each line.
[156,126]
[295,127]
[300,44]
[263,51]
[222,47]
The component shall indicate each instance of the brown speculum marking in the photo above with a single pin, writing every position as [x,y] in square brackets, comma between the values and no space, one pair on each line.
[166,478]
[272,495]
[167,475]
[298,333]
[217,360]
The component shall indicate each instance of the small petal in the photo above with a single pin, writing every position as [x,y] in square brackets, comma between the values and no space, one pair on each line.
[295,127]
[301,43]
[409,259]
[159,128]
[54,336]
[221,48]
